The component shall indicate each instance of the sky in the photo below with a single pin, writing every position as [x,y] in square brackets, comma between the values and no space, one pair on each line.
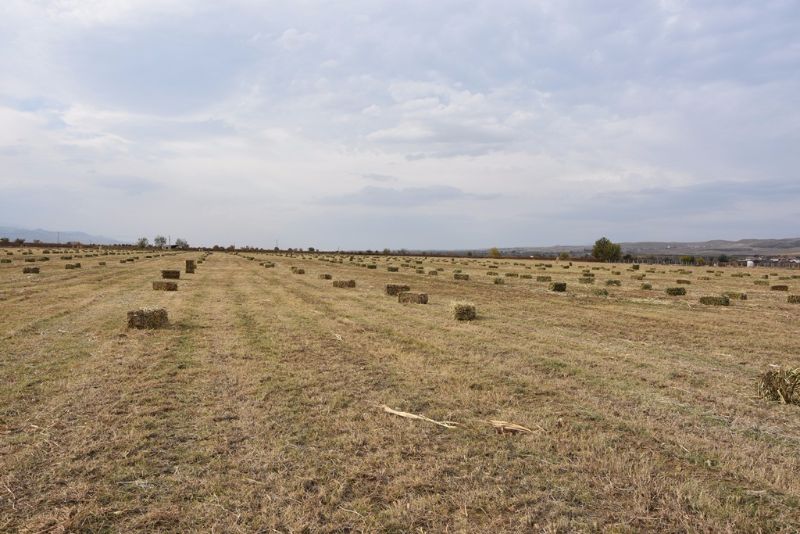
[401,124]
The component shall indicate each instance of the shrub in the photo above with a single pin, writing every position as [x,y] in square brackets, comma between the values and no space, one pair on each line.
[558,287]
[463,311]
[676,291]
[715,301]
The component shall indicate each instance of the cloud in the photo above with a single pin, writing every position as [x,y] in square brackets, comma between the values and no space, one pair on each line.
[375,177]
[399,198]
[293,39]
[564,117]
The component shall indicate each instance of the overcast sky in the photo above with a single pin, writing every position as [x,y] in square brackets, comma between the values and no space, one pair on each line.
[417,124]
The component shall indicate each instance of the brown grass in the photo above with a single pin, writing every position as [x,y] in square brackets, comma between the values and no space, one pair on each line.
[258,408]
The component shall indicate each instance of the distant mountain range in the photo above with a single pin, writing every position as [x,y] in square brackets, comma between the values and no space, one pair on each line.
[717,247]
[48,236]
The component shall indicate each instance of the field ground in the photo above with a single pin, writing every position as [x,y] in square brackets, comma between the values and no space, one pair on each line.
[258,409]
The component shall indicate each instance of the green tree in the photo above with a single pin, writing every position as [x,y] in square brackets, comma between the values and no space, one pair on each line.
[563,256]
[142,242]
[723,258]
[494,252]
[605,250]
[181,243]
[687,260]
[160,241]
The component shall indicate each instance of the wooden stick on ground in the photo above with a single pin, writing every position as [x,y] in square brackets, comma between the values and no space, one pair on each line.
[407,415]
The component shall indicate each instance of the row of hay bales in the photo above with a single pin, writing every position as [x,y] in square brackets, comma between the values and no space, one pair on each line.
[587,277]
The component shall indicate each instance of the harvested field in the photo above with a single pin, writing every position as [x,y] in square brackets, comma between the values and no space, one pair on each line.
[263,405]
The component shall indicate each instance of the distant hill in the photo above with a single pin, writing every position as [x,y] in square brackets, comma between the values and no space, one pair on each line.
[49,236]
[742,247]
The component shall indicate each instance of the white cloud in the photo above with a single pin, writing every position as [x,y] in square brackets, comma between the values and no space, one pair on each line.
[531,110]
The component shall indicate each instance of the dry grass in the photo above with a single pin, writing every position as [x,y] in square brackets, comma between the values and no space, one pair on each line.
[258,408]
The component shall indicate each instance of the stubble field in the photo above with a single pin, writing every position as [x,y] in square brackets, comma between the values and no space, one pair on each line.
[260,407]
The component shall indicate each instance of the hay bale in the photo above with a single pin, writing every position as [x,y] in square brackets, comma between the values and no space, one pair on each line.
[558,287]
[647,286]
[617,283]
[780,385]
[761,282]
[499,281]
[407,297]
[793,299]
[396,289]
[30,270]
[735,295]
[600,292]
[165,285]
[684,282]
[148,318]
[491,273]
[433,273]
[102,263]
[716,301]
[779,288]
[392,269]
[586,280]
[344,283]
[170,274]
[512,275]
[676,291]
[463,311]
[190,266]
[325,276]
[544,278]
[460,276]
